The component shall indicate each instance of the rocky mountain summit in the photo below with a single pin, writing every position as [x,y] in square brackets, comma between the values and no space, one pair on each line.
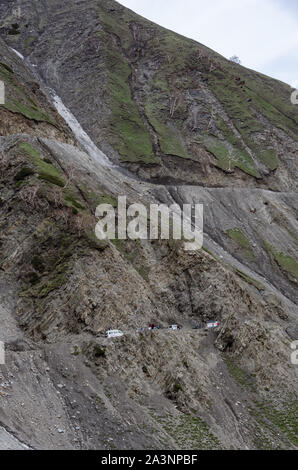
[100,103]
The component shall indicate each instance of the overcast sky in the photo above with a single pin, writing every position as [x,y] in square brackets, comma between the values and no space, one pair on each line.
[263,33]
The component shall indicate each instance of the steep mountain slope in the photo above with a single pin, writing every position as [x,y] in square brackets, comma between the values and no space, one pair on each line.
[181,119]
[177,113]
[162,104]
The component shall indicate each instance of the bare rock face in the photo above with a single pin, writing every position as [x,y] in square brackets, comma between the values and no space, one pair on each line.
[190,127]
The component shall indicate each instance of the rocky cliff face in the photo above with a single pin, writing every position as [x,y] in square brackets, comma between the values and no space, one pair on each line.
[190,127]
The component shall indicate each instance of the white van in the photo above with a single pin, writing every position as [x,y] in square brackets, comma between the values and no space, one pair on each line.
[113,333]
[213,324]
[174,327]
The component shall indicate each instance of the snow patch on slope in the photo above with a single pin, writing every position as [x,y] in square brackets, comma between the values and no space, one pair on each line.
[84,139]
[18,53]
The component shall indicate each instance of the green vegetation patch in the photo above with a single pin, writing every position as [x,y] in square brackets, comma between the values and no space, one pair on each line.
[6,72]
[275,116]
[55,282]
[169,83]
[27,110]
[124,247]
[269,158]
[250,280]
[133,140]
[246,380]
[243,106]
[189,432]
[143,272]
[227,132]
[239,237]
[284,261]
[29,41]
[277,94]
[167,136]
[130,135]
[127,131]
[99,351]
[227,160]
[47,171]
[50,174]
[107,199]
[94,242]
[116,20]
[235,102]
[71,201]
[280,422]
[94,199]
[17,99]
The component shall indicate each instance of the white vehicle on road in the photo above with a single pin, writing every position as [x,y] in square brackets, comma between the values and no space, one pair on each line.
[213,324]
[113,333]
[174,327]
